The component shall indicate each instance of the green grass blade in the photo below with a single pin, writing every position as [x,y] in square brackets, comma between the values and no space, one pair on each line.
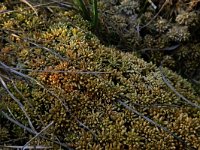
[84,11]
[95,13]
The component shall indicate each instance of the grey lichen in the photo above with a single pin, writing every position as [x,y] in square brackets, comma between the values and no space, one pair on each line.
[179,33]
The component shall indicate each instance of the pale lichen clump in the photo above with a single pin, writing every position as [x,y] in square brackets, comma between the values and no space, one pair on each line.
[187,18]
[77,83]
[178,34]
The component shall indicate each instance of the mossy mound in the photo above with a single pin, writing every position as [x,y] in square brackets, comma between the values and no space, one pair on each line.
[62,75]
[160,30]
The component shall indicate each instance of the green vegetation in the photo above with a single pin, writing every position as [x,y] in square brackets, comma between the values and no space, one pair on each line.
[90,14]
[61,88]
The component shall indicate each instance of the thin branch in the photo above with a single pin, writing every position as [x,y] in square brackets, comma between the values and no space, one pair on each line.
[27,147]
[32,132]
[154,123]
[37,135]
[34,6]
[42,47]
[165,3]
[9,69]
[30,5]
[18,102]
[87,129]
[175,91]
[61,71]
[12,140]
[17,123]
[170,48]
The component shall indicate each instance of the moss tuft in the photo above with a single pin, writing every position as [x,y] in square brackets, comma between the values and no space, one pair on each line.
[65,75]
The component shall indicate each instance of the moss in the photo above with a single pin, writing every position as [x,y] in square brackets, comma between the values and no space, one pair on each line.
[4,134]
[154,33]
[78,81]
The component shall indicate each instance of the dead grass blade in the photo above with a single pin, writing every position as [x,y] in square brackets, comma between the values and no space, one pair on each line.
[17,122]
[87,129]
[11,140]
[42,47]
[18,102]
[28,147]
[156,15]
[15,87]
[24,147]
[170,48]
[9,69]
[66,5]
[34,6]
[195,81]
[175,91]
[154,123]
[31,6]
[152,4]
[32,132]
[61,71]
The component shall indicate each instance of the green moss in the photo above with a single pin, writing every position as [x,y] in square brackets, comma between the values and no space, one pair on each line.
[78,81]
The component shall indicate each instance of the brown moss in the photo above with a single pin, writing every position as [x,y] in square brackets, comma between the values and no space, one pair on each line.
[156,32]
[4,134]
[76,81]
